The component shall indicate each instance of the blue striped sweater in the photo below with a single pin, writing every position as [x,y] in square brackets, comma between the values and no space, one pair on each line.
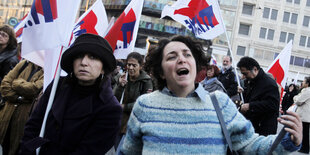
[163,124]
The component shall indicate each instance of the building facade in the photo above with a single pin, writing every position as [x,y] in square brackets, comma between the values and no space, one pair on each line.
[263,28]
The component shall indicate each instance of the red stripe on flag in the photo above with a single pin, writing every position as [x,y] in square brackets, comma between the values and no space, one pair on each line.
[114,32]
[277,71]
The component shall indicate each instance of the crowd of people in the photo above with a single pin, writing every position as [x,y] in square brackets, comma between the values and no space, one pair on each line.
[160,104]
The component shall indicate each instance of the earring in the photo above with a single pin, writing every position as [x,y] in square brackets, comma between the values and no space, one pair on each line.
[102,76]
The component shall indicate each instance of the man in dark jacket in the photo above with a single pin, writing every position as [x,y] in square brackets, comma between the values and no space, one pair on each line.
[228,78]
[261,97]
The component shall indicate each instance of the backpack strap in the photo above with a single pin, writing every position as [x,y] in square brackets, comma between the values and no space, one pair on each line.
[223,125]
[23,67]
[33,71]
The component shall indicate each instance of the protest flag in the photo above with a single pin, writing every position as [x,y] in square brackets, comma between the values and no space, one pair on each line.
[122,35]
[202,17]
[280,66]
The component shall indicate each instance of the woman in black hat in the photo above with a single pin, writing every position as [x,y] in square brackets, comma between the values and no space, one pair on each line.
[85,116]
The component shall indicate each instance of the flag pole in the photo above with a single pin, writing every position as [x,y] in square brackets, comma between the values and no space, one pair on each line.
[86,7]
[232,57]
[50,100]
[121,101]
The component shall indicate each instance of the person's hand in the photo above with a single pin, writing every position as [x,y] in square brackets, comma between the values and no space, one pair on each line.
[122,79]
[245,107]
[293,126]
[240,89]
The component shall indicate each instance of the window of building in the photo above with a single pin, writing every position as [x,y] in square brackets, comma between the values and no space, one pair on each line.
[286,17]
[270,34]
[307,63]
[302,41]
[273,15]
[266,12]
[286,37]
[290,37]
[299,61]
[308,3]
[308,44]
[241,50]
[295,1]
[262,33]
[247,9]
[244,29]
[292,60]
[282,37]
[294,18]
[306,21]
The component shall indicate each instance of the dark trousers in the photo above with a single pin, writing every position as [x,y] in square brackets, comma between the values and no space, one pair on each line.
[305,139]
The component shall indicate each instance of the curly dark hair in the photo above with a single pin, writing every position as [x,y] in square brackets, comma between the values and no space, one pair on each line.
[248,63]
[147,68]
[155,57]
[12,43]
[215,68]
[137,56]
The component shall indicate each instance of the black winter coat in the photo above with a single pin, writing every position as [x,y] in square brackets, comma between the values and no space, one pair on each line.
[8,60]
[287,100]
[228,79]
[76,124]
[262,94]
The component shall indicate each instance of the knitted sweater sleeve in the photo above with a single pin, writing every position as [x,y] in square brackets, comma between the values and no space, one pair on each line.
[243,137]
[133,139]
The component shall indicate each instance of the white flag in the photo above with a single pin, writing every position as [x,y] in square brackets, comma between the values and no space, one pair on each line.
[49,24]
[202,17]
[280,66]
[94,21]
[122,36]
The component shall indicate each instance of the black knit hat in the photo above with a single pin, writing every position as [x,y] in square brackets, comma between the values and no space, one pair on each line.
[92,44]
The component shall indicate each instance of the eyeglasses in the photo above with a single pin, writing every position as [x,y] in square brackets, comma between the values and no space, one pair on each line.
[3,34]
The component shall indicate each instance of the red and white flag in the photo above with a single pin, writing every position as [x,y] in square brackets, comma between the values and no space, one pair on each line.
[19,29]
[111,23]
[49,24]
[202,17]
[94,21]
[122,36]
[47,28]
[280,66]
